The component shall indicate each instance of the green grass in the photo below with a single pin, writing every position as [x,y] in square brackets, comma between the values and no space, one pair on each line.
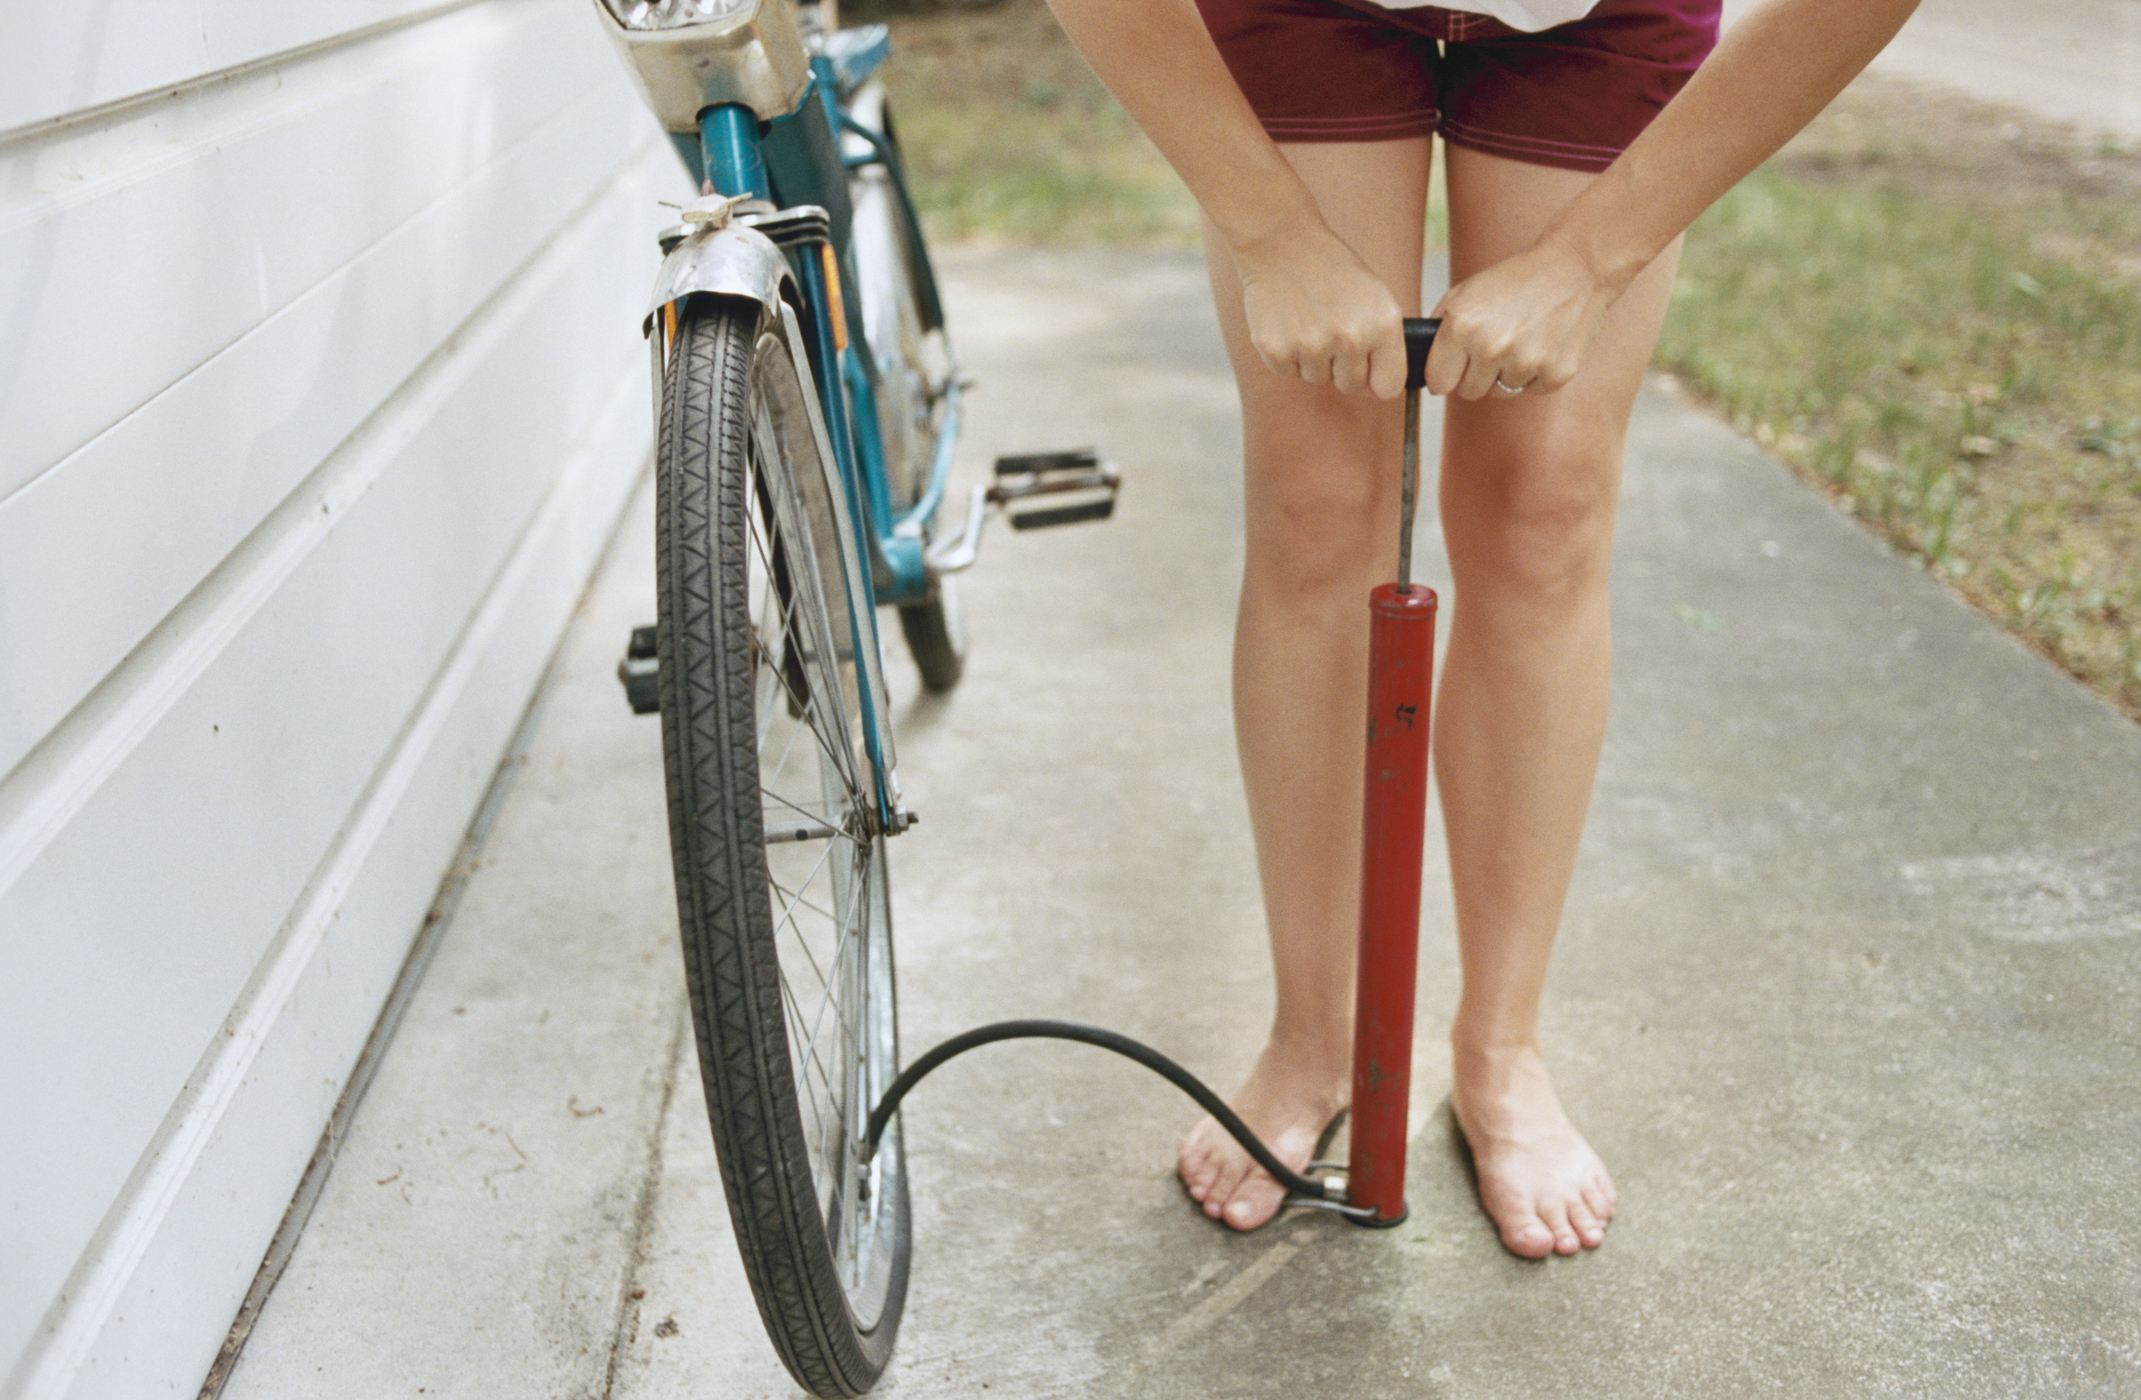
[1053,169]
[1970,395]
[1008,137]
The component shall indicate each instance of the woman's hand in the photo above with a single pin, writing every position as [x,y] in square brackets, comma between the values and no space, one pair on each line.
[1525,322]
[1315,310]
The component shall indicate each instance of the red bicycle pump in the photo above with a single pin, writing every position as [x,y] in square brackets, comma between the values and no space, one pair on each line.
[1401,661]
[1401,666]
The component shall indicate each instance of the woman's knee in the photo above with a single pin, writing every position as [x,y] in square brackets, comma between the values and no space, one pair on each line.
[1307,543]
[1320,496]
[1535,522]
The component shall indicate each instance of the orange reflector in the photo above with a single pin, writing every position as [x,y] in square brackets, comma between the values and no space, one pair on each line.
[832,287]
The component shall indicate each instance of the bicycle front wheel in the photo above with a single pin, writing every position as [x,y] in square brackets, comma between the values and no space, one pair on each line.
[775,836]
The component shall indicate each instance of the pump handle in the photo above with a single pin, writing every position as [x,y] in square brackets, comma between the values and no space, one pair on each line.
[1419,338]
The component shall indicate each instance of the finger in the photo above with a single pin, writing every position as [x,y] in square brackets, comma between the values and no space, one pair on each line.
[1445,362]
[1313,369]
[1349,370]
[1386,370]
[1478,381]
[1445,366]
[1552,377]
[1387,360]
[1525,373]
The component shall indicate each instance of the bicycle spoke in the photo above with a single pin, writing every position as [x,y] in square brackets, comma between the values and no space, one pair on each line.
[843,974]
[829,973]
[824,1122]
[817,1024]
[833,1002]
[809,1085]
[811,721]
[786,917]
[764,541]
[844,977]
[803,1042]
[807,704]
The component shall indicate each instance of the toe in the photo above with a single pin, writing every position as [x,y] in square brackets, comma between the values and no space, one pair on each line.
[1255,1203]
[1528,1236]
[1599,1191]
[1199,1181]
[1556,1217]
[1287,1100]
[1196,1164]
[1589,1233]
[1227,1176]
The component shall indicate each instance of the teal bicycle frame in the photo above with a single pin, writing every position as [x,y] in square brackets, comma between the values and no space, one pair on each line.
[794,164]
[796,160]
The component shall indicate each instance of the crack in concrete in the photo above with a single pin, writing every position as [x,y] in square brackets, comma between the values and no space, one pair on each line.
[625,1329]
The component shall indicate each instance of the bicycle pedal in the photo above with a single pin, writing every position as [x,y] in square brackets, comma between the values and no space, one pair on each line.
[1034,463]
[1041,489]
[1063,515]
[641,672]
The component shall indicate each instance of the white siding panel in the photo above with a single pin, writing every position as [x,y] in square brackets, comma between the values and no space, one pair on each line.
[179,1298]
[177,483]
[320,385]
[256,193]
[136,930]
[62,58]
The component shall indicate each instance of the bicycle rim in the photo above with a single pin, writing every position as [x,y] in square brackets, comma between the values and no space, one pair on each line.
[781,872]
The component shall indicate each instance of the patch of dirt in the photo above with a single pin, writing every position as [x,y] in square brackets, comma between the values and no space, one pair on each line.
[1957,150]
[1952,149]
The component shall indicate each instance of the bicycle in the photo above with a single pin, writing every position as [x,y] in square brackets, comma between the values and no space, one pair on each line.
[807,402]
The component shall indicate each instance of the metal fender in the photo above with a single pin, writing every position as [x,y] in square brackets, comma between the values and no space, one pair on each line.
[731,260]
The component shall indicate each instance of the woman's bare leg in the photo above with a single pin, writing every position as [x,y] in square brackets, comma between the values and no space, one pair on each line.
[1321,472]
[1529,490]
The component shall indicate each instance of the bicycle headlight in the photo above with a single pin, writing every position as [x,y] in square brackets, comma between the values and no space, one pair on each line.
[688,55]
[672,14]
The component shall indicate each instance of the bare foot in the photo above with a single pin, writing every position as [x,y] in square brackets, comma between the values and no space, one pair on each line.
[1289,1099]
[1540,1181]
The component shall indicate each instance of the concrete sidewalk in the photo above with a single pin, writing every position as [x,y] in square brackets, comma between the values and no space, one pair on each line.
[1846,995]
[2071,61]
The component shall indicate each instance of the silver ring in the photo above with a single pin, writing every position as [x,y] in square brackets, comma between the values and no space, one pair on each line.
[1511,390]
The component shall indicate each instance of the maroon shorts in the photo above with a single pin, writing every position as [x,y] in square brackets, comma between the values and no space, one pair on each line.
[1572,96]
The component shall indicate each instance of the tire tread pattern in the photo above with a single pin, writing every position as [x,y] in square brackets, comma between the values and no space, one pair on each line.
[724,904]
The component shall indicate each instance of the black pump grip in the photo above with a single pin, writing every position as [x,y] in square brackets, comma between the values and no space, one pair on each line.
[1419,338]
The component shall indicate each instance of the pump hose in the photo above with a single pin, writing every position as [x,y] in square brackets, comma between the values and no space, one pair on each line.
[1310,1192]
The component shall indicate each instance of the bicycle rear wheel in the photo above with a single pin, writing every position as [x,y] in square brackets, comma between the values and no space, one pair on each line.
[776,840]
[914,371]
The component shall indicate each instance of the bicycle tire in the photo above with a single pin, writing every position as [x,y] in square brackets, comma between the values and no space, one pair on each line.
[935,630]
[761,740]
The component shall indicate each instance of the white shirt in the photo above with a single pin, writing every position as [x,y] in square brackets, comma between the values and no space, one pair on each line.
[1528,15]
